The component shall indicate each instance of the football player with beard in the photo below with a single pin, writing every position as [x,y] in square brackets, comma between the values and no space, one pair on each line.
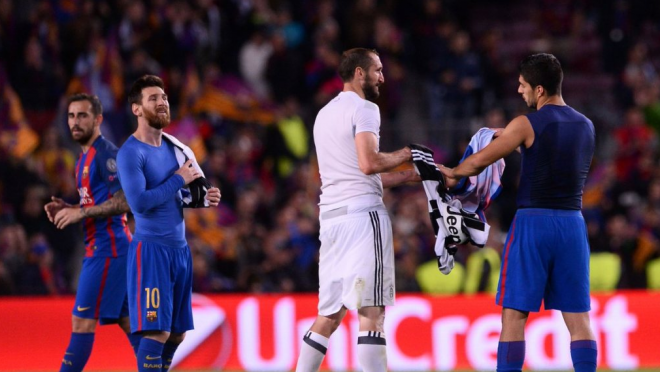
[159,259]
[356,266]
[101,293]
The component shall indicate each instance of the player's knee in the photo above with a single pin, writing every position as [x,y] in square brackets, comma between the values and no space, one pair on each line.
[160,336]
[326,326]
[578,325]
[83,325]
[372,318]
[176,338]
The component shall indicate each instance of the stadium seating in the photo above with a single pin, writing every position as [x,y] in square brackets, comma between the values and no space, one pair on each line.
[604,271]
[653,274]
[432,281]
[475,269]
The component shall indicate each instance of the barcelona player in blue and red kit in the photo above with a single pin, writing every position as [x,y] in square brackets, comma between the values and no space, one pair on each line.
[546,253]
[159,259]
[101,294]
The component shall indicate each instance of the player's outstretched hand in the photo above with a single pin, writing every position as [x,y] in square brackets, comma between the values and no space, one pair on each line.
[68,216]
[188,172]
[450,180]
[213,196]
[53,207]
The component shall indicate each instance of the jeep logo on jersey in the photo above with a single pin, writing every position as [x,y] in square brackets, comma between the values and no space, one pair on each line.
[453,222]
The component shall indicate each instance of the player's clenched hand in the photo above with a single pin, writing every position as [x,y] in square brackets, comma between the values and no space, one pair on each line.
[188,172]
[68,216]
[213,196]
[55,206]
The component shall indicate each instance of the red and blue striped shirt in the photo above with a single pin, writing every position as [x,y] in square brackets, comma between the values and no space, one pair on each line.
[97,182]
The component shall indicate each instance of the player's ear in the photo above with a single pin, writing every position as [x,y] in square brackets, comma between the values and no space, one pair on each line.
[359,72]
[99,119]
[136,109]
[539,90]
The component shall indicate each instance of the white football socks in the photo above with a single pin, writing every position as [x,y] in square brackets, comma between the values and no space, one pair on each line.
[371,351]
[312,352]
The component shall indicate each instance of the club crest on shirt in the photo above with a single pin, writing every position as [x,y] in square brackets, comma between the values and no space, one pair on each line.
[85,172]
[111,165]
[152,316]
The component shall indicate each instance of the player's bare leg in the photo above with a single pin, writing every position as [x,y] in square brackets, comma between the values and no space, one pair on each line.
[80,345]
[315,341]
[511,348]
[371,349]
[513,324]
[584,351]
[83,325]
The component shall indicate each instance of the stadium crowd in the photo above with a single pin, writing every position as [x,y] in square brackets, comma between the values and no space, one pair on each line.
[245,80]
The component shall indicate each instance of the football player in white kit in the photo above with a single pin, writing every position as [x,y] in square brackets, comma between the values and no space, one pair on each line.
[356,269]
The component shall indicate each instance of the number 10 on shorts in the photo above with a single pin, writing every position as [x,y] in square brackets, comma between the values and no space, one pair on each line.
[153,298]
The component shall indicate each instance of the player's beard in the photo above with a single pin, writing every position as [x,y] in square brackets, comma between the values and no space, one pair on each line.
[370,89]
[83,136]
[156,121]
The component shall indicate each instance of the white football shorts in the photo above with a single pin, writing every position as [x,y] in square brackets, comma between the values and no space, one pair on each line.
[356,265]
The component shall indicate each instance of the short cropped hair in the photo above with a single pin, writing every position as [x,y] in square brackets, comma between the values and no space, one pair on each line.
[146,81]
[542,69]
[352,59]
[97,108]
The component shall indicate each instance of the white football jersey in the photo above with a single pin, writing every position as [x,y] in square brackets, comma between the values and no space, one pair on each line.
[334,137]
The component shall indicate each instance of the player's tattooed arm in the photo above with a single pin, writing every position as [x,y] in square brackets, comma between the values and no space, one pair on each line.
[69,214]
[111,207]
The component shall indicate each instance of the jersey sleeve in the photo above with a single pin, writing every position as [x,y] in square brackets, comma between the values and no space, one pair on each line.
[367,119]
[130,166]
[107,167]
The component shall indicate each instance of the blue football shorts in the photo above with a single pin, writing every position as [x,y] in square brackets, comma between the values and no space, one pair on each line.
[159,287]
[102,290]
[545,258]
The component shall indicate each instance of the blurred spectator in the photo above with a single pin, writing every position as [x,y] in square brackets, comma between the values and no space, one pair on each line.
[133,28]
[633,140]
[292,31]
[287,142]
[39,85]
[460,77]
[56,163]
[253,62]
[245,81]
[284,70]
